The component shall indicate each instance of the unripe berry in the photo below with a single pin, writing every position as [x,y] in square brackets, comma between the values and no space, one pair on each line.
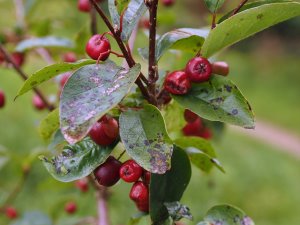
[2,99]
[70,207]
[107,174]
[82,185]
[18,58]
[84,5]
[130,171]
[190,116]
[177,83]
[11,212]
[168,2]
[220,68]
[98,47]
[193,129]
[38,103]
[69,57]
[198,69]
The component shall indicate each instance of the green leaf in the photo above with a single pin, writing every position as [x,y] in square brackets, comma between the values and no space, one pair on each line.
[91,92]
[247,23]
[214,5]
[169,187]
[77,161]
[145,138]
[226,215]
[33,218]
[49,125]
[177,211]
[184,39]
[200,152]
[135,10]
[218,100]
[121,5]
[57,142]
[51,42]
[251,5]
[49,72]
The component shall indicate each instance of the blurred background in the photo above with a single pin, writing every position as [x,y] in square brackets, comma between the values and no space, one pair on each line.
[262,168]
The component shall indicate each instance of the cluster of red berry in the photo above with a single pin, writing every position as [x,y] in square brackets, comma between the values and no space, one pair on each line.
[85,5]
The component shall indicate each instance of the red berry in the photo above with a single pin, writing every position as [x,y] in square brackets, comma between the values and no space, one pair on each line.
[177,83]
[38,103]
[146,177]
[70,207]
[84,5]
[193,129]
[206,133]
[130,171]
[198,69]
[64,79]
[98,47]
[168,2]
[2,58]
[82,185]
[18,58]
[144,23]
[139,193]
[107,174]
[69,57]
[11,212]
[220,68]
[190,116]
[143,206]
[2,99]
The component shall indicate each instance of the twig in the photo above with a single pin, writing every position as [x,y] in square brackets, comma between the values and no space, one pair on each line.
[93,21]
[9,59]
[117,36]
[237,9]
[120,156]
[102,196]
[213,22]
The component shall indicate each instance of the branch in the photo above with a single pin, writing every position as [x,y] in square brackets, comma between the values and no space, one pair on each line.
[117,36]
[237,9]
[102,196]
[213,22]
[93,21]
[9,59]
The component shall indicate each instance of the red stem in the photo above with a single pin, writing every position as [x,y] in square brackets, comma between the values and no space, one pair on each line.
[242,3]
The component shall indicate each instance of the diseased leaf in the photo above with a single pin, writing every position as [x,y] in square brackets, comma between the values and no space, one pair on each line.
[247,23]
[226,215]
[49,72]
[184,39]
[218,100]
[177,211]
[77,161]
[46,42]
[200,152]
[135,10]
[144,135]
[49,125]
[214,5]
[91,92]
[169,187]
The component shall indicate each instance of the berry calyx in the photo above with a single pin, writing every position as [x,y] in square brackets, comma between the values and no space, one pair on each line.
[139,193]
[2,99]
[69,57]
[193,129]
[18,58]
[38,103]
[98,47]
[130,171]
[105,132]
[11,212]
[70,207]
[82,185]
[84,5]
[220,68]
[198,69]
[168,2]
[177,83]
[190,116]
[107,174]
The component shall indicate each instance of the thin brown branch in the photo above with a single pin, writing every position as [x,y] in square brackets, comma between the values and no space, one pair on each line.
[19,71]
[93,15]
[237,9]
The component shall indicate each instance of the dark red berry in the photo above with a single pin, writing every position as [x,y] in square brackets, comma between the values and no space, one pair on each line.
[206,133]
[2,99]
[168,2]
[11,212]
[177,83]
[38,103]
[84,5]
[143,206]
[198,69]
[139,193]
[190,116]
[105,132]
[194,128]
[64,79]
[18,58]
[130,171]
[146,177]
[69,57]
[2,58]
[107,174]
[82,185]
[98,47]
[70,207]
[220,68]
